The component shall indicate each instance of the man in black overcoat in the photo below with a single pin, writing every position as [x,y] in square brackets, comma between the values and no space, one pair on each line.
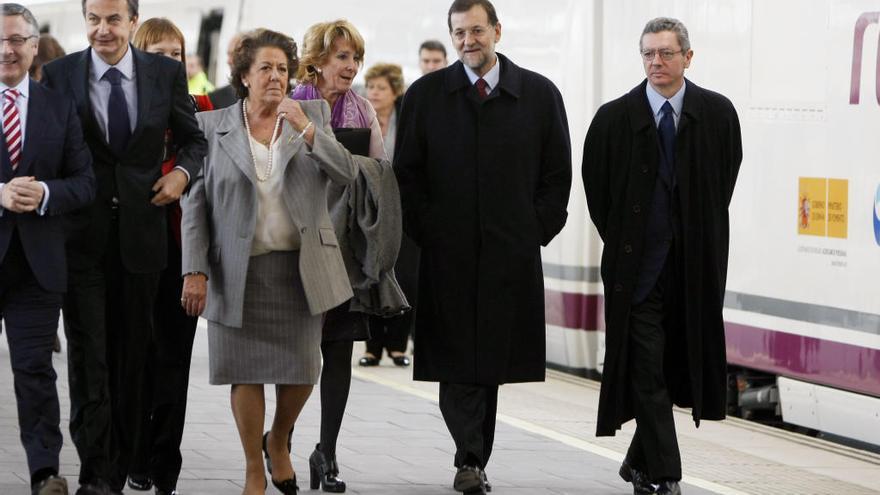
[483,158]
[660,164]
[117,246]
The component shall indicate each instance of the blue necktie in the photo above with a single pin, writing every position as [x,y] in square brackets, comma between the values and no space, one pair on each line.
[118,123]
[667,140]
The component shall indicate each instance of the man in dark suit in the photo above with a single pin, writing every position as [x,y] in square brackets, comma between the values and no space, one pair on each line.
[483,158]
[45,171]
[660,164]
[226,96]
[126,100]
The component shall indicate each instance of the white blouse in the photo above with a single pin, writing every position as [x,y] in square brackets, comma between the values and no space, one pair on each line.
[275,230]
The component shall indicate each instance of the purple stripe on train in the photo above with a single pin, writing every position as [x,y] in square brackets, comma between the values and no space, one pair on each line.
[824,362]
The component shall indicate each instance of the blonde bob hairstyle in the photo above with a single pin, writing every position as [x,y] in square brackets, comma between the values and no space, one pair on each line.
[392,73]
[318,43]
[157,30]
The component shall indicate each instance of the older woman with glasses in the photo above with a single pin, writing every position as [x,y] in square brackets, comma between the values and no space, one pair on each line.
[261,257]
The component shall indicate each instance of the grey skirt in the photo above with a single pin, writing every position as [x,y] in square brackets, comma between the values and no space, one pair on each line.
[279,341]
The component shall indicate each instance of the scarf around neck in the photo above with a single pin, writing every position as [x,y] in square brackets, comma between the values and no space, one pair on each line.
[349,111]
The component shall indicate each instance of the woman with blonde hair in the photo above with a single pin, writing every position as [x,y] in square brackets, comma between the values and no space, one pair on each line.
[332,54]
[157,459]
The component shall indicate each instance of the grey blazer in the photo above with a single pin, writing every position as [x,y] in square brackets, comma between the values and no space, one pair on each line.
[220,211]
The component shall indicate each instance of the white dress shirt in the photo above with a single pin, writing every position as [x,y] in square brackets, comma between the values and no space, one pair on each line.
[21,103]
[492,77]
[656,100]
[99,89]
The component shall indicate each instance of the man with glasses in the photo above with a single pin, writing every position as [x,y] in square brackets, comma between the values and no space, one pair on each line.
[660,164]
[483,160]
[45,172]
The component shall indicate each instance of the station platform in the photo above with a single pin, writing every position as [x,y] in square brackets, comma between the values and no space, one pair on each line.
[394,441]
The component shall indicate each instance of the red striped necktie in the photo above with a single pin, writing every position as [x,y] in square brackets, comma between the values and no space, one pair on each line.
[12,126]
[482,88]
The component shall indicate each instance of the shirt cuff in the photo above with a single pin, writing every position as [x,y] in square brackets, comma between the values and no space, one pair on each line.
[184,171]
[45,203]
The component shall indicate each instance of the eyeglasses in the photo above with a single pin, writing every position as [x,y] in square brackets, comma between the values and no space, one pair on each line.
[476,32]
[16,41]
[666,55]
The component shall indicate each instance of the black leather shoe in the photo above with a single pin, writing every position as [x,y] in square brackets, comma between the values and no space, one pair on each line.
[401,361]
[668,488]
[368,361]
[95,488]
[139,482]
[287,487]
[469,479]
[641,484]
[53,485]
[324,472]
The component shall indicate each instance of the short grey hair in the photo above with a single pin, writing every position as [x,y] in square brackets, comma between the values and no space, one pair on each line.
[10,9]
[132,8]
[661,24]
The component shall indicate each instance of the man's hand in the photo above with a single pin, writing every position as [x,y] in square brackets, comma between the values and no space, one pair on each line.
[21,195]
[169,187]
[194,296]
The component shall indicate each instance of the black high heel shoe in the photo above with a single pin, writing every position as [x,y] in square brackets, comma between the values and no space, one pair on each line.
[324,472]
[288,486]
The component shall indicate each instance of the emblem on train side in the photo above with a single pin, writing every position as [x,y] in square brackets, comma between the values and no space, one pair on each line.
[823,206]
[862,24]
[877,215]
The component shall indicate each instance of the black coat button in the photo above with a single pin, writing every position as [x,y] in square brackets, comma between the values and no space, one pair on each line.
[637,209]
[618,288]
[627,248]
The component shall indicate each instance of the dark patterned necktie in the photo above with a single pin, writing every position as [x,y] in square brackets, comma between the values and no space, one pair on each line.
[118,123]
[482,88]
[667,140]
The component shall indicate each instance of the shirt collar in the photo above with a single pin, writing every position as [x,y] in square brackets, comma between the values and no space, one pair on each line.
[125,65]
[657,100]
[23,87]
[492,77]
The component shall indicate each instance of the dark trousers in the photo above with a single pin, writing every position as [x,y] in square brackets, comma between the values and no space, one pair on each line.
[30,315]
[654,447]
[108,319]
[389,333]
[166,381]
[469,412]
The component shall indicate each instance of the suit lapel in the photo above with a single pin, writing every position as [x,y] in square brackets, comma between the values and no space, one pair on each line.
[234,141]
[79,83]
[288,146]
[36,117]
[145,77]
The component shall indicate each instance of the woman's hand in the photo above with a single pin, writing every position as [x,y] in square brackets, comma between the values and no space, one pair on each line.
[292,111]
[195,290]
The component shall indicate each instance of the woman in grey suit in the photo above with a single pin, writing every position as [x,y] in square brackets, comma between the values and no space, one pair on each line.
[260,256]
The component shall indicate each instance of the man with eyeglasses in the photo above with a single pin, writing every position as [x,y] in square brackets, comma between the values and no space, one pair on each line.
[659,168]
[483,159]
[45,172]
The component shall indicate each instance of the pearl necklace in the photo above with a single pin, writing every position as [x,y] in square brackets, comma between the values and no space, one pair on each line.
[247,126]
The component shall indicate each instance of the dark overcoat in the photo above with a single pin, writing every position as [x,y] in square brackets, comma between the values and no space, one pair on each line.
[621,160]
[483,183]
